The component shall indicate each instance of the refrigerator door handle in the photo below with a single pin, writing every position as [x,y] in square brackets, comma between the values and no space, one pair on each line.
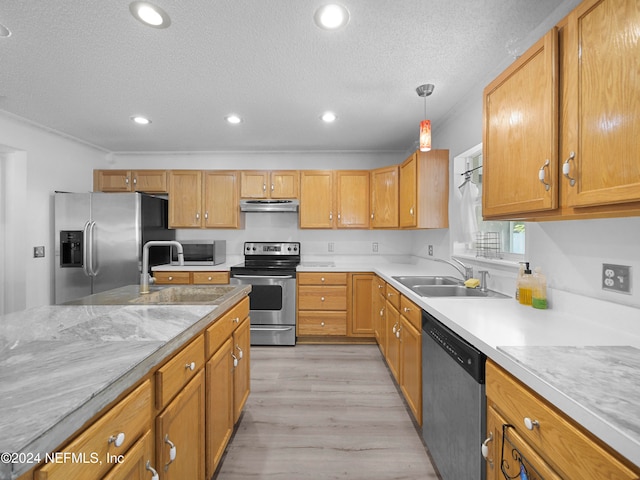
[85,249]
[91,243]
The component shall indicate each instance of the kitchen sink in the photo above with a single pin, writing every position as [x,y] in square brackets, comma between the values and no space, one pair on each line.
[191,295]
[411,282]
[454,291]
[437,286]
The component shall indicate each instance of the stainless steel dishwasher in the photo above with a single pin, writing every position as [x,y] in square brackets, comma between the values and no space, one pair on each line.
[453,401]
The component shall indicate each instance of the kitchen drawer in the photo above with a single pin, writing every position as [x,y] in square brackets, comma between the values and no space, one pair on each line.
[411,312]
[393,297]
[311,297]
[176,373]
[168,278]
[565,446]
[126,422]
[210,278]
[322,323]
[322,278]
[224,326]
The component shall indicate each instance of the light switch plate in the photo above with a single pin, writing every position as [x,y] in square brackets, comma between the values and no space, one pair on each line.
[616,278]
[38,252]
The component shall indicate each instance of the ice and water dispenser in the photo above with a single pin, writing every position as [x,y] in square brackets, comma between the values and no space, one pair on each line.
[71,248]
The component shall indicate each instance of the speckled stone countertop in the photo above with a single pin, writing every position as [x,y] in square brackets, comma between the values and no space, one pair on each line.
[60,365]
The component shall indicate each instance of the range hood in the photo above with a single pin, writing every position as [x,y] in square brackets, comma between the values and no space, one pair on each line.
[269,205]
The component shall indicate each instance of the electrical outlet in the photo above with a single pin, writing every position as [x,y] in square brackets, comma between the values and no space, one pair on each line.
[330,246]
[38,252]
[431,250]
[374,246]
[616,278]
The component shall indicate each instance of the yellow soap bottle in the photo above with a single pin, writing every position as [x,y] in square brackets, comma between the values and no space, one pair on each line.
[525,286]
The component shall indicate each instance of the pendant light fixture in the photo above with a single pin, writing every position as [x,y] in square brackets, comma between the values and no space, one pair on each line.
[425,125]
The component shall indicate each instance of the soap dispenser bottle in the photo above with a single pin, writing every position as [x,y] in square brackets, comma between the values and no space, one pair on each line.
[539,290]
[519,281]
[525,286]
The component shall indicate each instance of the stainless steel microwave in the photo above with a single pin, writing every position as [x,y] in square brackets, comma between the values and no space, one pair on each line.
[201,252]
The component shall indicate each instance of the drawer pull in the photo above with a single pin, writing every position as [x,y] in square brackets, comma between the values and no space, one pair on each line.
[322,279]
[240,352]
[380,286]
[322,324]
[172,451]
[485,447]
[191,366]
[235,320]
[406,310]
[235,360]
[154,474]
[170,279]
[209,278]
[531,424]
[389,294]
[322,299]
[117,440]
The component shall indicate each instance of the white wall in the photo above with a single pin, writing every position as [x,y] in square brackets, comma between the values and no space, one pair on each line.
[38,162]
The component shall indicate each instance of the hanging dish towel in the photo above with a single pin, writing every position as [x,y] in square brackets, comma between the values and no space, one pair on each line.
[468,219]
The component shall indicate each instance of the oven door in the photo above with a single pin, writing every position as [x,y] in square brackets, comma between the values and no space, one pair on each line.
[272,307]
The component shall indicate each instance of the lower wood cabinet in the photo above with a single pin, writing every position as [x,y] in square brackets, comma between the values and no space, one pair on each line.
[180,433]
[137,464]
[400,341]
[543,435]
[322,304]
[361,315]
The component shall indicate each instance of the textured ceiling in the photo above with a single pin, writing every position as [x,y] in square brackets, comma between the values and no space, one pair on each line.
[84,67]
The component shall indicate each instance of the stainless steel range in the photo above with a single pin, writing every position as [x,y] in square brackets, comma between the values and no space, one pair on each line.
[270,269]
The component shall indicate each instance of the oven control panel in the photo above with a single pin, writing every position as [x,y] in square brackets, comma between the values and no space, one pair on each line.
[272,248]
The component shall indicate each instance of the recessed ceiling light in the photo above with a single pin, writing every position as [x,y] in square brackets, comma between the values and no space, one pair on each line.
[4,31]
[233,119]
[331,17]
[150,14]
[140,120]
[328,117]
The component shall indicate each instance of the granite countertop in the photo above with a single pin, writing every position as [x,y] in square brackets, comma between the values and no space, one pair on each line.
[60,365]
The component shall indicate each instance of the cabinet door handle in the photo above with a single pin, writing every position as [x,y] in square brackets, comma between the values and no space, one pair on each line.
[398,331]
[272,187]
[197,215]
[382,312]
[172,451]
[240,352]
[531,424]
[117,440]
[542,175]
[411,211]
[395,326]
[126,180]
[372,216]
[485,448]
[264,187]
[566,168]
[154,474]
[330,215]
[190,366]
[206,215]
[235,360]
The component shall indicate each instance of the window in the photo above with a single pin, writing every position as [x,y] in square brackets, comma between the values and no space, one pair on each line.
[470,234]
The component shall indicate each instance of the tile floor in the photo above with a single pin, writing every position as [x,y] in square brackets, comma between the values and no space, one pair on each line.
[324,412]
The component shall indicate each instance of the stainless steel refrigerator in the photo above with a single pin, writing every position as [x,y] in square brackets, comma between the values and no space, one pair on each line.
[99,239]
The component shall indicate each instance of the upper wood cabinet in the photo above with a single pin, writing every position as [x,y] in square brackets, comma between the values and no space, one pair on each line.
[384,197]
[269,184]
[206,199]
[221,203]
[352,199]
[561,124]
[151,181]
[602,96]
[424,190]
[185,199]
[334,199]
[316,199]
[520,139]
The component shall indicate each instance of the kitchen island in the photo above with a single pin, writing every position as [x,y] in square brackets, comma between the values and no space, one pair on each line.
[62,365]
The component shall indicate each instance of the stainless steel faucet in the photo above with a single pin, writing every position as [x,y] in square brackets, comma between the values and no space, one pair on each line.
[465,270]
[483,280]
[144,275]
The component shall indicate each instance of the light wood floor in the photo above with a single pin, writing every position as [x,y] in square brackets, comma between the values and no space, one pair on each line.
[324,412]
